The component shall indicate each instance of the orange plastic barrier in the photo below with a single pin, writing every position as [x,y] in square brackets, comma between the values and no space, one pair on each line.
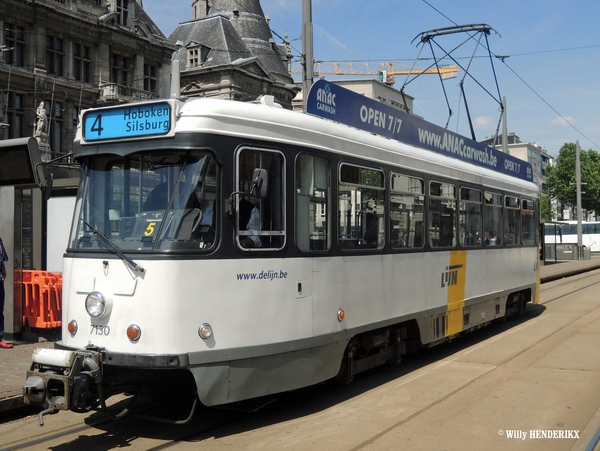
[42,299]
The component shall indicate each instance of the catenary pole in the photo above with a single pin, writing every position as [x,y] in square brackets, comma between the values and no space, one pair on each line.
[578,182]
[504,127]
[307,50]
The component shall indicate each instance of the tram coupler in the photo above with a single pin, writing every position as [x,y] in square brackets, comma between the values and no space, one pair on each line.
[63,380]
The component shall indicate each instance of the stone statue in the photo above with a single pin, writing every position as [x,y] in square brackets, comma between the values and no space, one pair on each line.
[42,120]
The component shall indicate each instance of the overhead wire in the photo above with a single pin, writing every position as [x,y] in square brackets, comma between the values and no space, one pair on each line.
[398,60]
[503,59]
[550,106]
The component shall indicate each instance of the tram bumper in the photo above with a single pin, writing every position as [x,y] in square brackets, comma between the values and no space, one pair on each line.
[63,380]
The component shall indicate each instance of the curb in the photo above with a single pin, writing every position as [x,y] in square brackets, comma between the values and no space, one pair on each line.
[564,274]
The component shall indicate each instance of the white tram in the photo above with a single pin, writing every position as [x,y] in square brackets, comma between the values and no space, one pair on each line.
[236,250]
[565,232]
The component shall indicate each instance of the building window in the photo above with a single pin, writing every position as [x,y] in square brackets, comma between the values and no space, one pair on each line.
[197,55]
[150,77]
[120,69]
[55,55]
[122,9]
[13,115]
[193,57]
[56,126]
[14,39]
[81,62]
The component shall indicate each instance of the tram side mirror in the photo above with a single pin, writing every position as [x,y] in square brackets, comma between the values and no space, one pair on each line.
[259,183]
[49,184]
[259,189]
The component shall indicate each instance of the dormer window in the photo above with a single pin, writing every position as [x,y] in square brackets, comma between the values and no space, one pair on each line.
[197,54]
[123,10]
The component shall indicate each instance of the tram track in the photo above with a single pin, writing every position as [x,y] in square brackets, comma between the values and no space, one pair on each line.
[199,435]
[520,362]
[222,429]
[568,282]
[120,430]
[56,435]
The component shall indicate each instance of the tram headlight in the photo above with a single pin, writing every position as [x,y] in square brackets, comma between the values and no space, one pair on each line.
[205,331]
[95,304]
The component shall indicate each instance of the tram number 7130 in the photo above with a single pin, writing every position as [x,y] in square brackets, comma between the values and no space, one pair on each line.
[99,330]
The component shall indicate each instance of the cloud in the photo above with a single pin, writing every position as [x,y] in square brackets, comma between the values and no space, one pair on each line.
[560,121]
[484,122]
[321,31]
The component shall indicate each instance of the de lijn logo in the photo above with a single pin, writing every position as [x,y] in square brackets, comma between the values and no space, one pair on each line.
[326,99]
[450,276]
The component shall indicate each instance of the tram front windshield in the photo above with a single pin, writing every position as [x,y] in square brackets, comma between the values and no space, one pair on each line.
[147,202]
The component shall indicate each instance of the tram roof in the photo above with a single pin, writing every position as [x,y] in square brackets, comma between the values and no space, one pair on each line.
[292,127]
[272,123]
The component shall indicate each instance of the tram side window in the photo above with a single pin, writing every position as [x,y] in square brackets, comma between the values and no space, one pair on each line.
[528,223]
[442,213]
[492,219]
[361,208]
[469,232]
[260,210]
[512,220]
[407,206]
[313,187]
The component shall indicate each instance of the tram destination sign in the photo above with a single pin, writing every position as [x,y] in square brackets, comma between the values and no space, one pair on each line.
[331,101]
[127,121]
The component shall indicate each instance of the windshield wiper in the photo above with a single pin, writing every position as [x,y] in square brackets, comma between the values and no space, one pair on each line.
[117,251]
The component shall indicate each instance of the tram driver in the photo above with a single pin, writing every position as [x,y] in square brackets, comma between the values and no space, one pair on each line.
[249,215]
[158,198]
[249,220]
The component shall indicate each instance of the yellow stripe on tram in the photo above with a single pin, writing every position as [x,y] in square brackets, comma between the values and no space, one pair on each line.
[455,278]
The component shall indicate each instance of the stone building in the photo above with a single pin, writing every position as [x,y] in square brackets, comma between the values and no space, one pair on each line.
[68,55]
[58,57]
[227,51]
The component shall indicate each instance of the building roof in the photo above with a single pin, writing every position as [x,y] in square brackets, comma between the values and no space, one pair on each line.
[216,33]
[141,17]
[233,29]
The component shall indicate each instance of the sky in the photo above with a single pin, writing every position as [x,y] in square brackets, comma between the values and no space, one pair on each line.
[548,73]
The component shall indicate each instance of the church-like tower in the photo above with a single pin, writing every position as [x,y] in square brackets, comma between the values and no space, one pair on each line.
[227,50]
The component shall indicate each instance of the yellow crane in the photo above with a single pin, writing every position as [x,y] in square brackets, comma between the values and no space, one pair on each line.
[386,72]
